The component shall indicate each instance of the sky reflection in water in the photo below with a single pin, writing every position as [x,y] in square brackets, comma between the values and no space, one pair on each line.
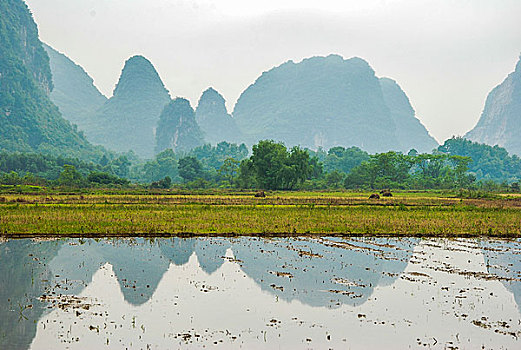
[260,293]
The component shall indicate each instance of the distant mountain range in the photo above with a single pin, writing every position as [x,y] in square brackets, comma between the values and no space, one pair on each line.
[320,102]
[500,122]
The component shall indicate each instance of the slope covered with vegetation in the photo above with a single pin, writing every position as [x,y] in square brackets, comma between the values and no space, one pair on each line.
[127,121]
[74,92]
[29,121]
[177,128]
[214,120]
[411,133]
[325,102]
[500,122]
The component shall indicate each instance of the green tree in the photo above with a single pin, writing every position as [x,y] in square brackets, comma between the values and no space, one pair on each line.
[389,169]
[229,170]
[271,166]
[102,178]
[164,164]
[70,177]
[267,161]
[335,179]
[163,183]
[213,157]
[190,169]
[120,166]
[344,159]
[461,166]
[11,178]
[488,162]
[246,177]
[430,165]
[299,167]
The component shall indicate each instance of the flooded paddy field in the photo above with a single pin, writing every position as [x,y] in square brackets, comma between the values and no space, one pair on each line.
[258,293]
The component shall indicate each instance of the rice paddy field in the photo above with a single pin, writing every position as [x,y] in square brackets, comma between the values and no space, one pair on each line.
[165,213]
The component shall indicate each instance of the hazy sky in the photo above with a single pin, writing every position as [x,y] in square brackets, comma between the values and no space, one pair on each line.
[446,54]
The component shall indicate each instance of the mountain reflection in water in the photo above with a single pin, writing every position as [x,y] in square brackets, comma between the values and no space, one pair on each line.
[286,292]
[504,260]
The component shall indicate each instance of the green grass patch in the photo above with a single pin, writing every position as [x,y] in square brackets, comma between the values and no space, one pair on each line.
[280,213]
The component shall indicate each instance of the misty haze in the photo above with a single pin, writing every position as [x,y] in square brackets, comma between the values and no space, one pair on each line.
[241,174]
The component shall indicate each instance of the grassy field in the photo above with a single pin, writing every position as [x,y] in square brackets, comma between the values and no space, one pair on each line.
[222,213]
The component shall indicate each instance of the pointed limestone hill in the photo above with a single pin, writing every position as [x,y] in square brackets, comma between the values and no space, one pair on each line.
[138,266]
[128,119]
[74,92]
[261,261]
[319,102]
[177,128]
[409,130]
[214,120]
[500,122]
[29,121]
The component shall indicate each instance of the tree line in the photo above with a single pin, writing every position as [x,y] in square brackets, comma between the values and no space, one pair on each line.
[458,163]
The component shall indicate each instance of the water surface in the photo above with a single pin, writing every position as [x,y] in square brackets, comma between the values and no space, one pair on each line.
[355,293]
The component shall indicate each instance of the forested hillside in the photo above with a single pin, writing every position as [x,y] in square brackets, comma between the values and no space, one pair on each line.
[411,133]
[177,128]
[327,102]
[500,122]
[74,92]
[127,121]
[213,119]
[29,121]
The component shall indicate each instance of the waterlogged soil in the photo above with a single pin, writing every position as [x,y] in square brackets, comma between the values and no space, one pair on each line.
[261,293]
